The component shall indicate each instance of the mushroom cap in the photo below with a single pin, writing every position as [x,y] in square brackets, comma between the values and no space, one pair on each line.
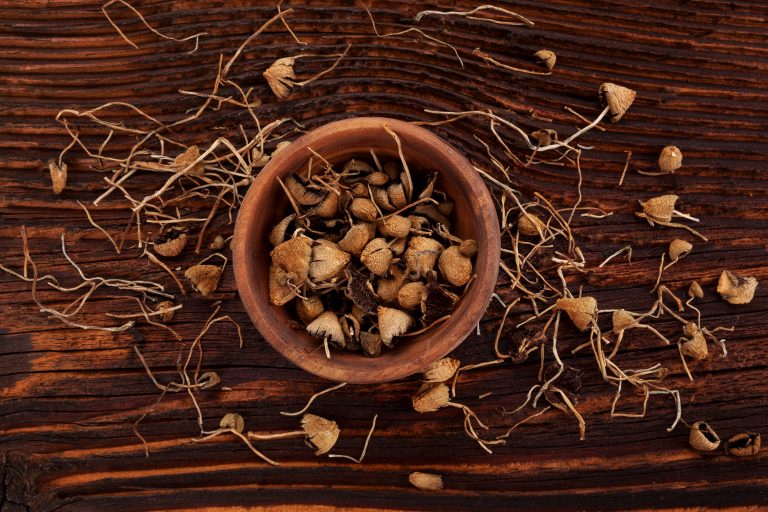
[165,316]
[279,291]
[234,421]
[328,261]
[183,160]
[546,57]
[617,98]
[745,444]
[328,207]
[294,256]
[454,266]
[377,256]
[440,370]
[388,287]
[322,433]
[410,295]
[364,209]
[395,226]
[679,248]
[530,225]
[422,254]
[327,325]
[670,159]
[299,192]
[377,178]
[703,438]
[204,278]
[622,320]
[310,308]
[357,166]
[695,347]
[381,199]
[396,195]
[431,397]
[280,76]
[392,322]
[356,238]
[736,289]
[58,176]
[370,342]
[694,290]
[581,310]
[426,481]
[468,248]
[170,243]
[660,208]
[277,235]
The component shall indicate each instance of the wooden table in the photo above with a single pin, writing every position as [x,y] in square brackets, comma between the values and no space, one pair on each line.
[70,397]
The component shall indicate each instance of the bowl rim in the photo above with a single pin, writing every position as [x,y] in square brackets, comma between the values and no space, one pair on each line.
[455,330]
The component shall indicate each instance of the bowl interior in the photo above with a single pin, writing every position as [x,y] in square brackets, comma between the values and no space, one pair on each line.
[267,204]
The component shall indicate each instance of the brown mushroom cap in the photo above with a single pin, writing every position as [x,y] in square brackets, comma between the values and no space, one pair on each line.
[377,256]
[277,235]
[170,243]
[454,266]
[694,290]
[703,438]
[440,370]
[622,320]
[387,288]
[582,310]
[280,76]
[294,256]
[422,254]
[736,289]
[58,176]
[395,226]
[617,98]
[280,293]
[322,433]
[166,314]
[328,261]
[185,159]
[363,209]
[356,238]
[679,248]
[670,159]
[431,397]
[745,444]
[310,308]
[392,322]
[660,208]
[233,421]
[695,347]
[327,325]
[204,278]
[426,481]
[530,225]
[370,342]
[411,295]
[547,58]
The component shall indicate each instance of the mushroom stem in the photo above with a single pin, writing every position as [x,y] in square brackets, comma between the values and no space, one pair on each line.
[279,435]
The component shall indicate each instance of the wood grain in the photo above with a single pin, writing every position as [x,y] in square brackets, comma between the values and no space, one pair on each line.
[69,397]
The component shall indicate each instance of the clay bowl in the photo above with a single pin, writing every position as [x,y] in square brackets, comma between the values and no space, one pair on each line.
[266,203]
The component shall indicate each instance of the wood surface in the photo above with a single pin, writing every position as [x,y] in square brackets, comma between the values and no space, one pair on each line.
[69,397]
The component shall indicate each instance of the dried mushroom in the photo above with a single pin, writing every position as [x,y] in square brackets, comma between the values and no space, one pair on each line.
[426,481]
[703,438]
[363,254]
[736,289]
[204,278]
[171,242]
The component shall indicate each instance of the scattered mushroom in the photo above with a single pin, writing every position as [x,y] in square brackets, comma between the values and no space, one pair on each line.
[670,159]
[58,176]
[426,481]
[617,98]
[703,438]
[736,289]
[204,278]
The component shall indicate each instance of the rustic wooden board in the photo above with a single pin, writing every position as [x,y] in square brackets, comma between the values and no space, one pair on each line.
[69,397]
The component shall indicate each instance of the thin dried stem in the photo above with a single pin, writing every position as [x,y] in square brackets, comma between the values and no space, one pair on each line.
[312,399]
[468,14]
[196,37]
[365,446]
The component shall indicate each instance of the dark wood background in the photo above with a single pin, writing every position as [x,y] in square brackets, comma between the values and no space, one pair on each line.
[69,396]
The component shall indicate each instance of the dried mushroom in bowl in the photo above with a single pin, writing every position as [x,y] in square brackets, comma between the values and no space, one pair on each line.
[367,254]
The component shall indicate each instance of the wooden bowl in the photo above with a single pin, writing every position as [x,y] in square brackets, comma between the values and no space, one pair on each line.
[266,203]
